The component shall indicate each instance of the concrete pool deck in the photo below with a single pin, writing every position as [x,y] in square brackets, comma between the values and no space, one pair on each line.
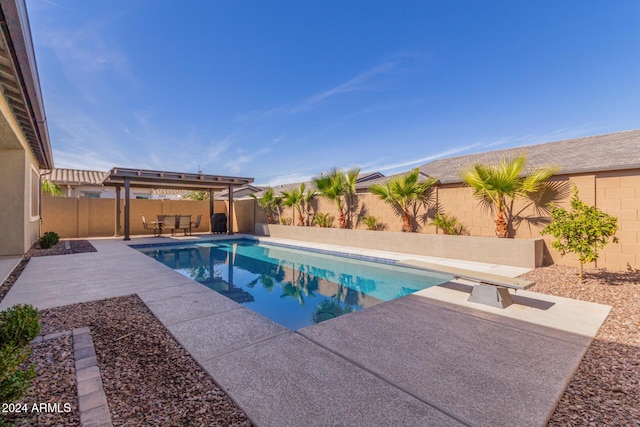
[430,358]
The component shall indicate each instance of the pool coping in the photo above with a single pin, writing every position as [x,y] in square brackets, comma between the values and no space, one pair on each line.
[120,270]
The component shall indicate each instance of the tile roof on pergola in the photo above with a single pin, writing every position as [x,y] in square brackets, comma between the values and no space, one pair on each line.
[140,178]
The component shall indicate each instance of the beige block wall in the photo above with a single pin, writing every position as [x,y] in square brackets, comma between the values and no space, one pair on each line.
[515,252]
[616,193]
[78,217]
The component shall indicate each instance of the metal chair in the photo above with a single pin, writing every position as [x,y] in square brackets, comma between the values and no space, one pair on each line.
[184,222]
[195,224]
[152,226]
[169,223]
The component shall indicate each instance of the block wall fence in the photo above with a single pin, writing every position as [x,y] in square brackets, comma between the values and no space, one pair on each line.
[83,217]
[616,193]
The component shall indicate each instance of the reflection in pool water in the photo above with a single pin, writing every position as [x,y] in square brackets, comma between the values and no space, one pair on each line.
[292,287]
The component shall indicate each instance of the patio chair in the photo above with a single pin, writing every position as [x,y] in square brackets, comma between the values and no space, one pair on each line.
[195,224]
[152,226]
[184,222]
[169,223]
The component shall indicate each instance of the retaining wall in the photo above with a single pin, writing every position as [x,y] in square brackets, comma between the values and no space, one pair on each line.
[516,252]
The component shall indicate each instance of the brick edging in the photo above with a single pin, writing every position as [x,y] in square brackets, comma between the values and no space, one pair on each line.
[92,401]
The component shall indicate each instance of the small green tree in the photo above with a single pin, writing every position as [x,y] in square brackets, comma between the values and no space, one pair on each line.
[198,194]
[583,230]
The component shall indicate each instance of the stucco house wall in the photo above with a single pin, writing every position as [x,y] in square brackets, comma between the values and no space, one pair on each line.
[24,141]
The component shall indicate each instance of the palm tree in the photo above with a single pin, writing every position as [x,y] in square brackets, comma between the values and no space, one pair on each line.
[269,202]
[404,193]
[350,181]
[295,198]
[307,198]
[51,188]
[339,187]
[498,185]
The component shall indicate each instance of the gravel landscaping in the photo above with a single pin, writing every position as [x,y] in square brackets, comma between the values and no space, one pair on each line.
[605,390]
[149,379]
[55,384]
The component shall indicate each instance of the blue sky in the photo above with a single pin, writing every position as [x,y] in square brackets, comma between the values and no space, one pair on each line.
[283,90]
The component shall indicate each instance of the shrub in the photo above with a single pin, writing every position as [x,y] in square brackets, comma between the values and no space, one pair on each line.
[448,224]
[49,239]
[323,220]
[286,221]
[18,326]
[14,381]
[371,222]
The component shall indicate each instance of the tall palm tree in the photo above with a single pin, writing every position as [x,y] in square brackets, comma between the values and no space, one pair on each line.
[269,202]
[498,185]
[339,187]
[404,193]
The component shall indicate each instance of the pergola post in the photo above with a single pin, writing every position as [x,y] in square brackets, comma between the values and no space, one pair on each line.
[230,219]
[127,216]
[211,209]
[117,233]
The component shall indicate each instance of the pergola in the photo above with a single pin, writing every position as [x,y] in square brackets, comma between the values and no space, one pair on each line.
[124,177]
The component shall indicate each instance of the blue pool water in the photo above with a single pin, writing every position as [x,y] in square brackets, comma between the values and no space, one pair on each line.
[292,287]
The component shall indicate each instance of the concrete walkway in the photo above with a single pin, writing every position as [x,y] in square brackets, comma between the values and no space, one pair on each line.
[430,358]
[7,264]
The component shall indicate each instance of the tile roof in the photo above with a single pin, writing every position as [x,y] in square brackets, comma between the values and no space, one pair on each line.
[614,151]
[74,176]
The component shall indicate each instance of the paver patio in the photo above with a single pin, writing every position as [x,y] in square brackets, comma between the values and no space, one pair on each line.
[430,358]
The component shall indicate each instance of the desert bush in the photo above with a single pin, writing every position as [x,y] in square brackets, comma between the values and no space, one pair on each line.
[14,381]
[49,239]
[371,222]
[448,223]
[18,326]
[323,220]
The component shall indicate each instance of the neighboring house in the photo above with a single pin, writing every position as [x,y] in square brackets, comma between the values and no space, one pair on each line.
[24,138]
[362,183]
[88,183]
[238,193]
[600,153]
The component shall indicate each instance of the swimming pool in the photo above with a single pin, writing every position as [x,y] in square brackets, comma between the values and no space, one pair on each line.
[293,287]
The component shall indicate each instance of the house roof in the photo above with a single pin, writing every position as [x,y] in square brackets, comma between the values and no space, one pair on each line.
[239,192]
[74,176]
[613,151]
[19,79]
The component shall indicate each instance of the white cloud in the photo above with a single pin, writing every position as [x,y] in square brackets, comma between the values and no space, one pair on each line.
[358,83]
